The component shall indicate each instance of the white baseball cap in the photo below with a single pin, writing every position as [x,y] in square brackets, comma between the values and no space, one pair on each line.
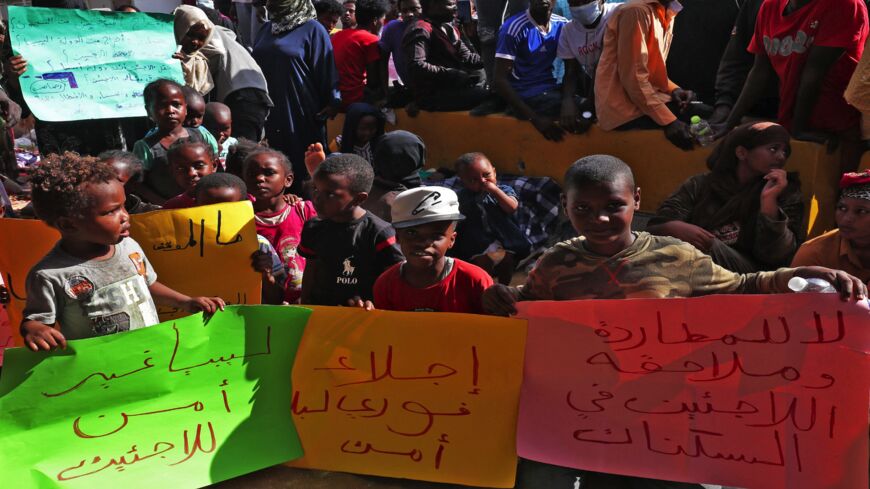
[423,205]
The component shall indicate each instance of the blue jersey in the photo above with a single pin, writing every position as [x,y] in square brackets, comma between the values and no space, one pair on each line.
[523,41]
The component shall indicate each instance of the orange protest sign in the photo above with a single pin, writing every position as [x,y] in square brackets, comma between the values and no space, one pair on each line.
[429,396]
[750,391]
[24,242]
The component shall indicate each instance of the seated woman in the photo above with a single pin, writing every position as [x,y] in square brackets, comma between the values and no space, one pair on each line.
[846,248]
[747,212]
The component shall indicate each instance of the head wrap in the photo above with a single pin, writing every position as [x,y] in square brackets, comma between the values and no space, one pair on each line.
[398,158]
[194,65]
[289,14]
[723,159]
[856,185]
[355,113]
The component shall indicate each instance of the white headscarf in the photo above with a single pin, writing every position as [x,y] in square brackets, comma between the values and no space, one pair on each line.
[194,65]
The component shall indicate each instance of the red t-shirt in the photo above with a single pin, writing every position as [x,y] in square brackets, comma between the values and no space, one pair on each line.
[180,201]
[353,49]
[787,41]
[284,231]
[460,291]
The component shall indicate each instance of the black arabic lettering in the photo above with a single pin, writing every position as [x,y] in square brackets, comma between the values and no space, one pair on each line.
[218,236]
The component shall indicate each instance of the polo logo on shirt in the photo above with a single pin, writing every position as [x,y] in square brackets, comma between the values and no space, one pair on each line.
[79,287]
[788,45]
[427,202]
[346,277]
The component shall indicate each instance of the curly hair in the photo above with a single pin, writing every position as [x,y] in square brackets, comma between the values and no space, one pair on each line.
[58,182]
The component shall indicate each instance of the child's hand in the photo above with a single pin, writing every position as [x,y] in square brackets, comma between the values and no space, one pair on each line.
[16,65]
[500,300]
[262,263]
[292,199]
[489,186]
[777,181]
[358,302]
[847,285]
[207,305]
[38,336]
[314,156]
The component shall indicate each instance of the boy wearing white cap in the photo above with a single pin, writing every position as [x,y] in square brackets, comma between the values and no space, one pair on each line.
[425,221]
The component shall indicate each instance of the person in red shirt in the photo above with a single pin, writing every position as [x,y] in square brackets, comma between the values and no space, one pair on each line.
[425,221]
[358,55]
[812,47]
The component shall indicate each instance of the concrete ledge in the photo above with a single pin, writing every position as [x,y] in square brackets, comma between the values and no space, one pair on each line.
[515,147]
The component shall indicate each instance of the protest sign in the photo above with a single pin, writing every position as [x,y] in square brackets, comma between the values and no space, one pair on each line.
[87,64]
[429,396]
[202,251]
[24,242]
[750,391]
[190,401]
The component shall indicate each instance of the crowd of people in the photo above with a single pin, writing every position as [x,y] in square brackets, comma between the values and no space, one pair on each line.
[356,220]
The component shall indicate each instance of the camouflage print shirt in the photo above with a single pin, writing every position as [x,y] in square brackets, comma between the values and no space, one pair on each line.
[652,267]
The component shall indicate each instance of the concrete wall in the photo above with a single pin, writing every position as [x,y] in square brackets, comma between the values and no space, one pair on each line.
[516,147]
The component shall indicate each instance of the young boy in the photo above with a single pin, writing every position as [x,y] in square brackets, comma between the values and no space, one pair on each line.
[347,247]
[425,222]
[226,187]
[358,54]
[195,107]
[609,261]
[219,122]
[490,236]
[189,161]
[96,280]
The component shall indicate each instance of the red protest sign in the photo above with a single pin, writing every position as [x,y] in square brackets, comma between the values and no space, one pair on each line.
[752,391]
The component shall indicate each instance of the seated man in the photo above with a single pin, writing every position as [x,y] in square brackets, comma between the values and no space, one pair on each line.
[524,56]
[445,74]
[632,88]
[580,47]
[394,31]
[361,69]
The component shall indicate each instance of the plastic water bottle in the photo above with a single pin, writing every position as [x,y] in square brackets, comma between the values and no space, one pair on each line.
[701,131]
[800,284]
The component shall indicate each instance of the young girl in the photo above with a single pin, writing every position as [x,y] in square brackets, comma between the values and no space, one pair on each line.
[747,213]
[363,125]
[166,107]
[190,162]
[268,174]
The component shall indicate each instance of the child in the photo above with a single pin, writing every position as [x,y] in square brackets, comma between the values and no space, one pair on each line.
[238,154]
[347,247]
[128,167]
[195,107]
[489,237]
[425,222]
[219,122]
[96,280]
[363,125]
[166,107]
[609,261]
[225,187]
[190,161]
[268,173]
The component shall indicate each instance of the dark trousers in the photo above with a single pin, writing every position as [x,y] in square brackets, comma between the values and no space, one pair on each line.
[450,99]
[249,114]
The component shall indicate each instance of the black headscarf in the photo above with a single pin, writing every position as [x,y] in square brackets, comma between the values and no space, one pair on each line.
[724,199]
[355,112]
[398,158]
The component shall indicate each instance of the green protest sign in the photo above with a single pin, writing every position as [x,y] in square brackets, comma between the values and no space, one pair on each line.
[86,64]
[186,401]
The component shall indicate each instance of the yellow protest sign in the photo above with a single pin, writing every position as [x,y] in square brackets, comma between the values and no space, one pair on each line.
[202,250]
[23,242]
[429,396]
